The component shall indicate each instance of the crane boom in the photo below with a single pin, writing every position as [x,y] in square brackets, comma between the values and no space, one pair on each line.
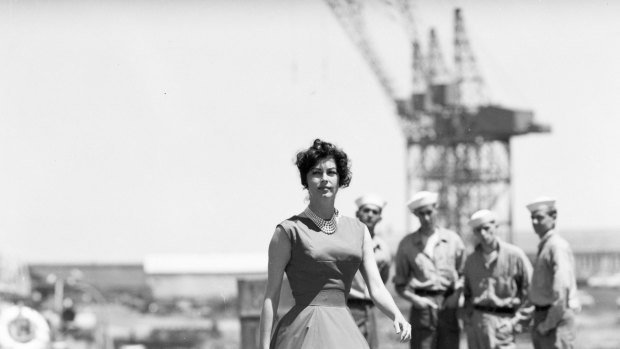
[457,144]
[349,14]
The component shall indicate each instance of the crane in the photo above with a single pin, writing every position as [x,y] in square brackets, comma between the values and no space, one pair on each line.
[458,144]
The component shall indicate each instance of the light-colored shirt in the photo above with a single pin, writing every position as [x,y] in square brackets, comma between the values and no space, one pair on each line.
[416,270]
[553,281]
[502,281]
[429,244]
[383,257]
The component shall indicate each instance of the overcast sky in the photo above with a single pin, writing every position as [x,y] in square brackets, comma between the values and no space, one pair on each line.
[129,128]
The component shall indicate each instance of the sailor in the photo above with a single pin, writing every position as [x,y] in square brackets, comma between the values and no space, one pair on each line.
[554,288]
[429,264]
[369,211]
[497,278]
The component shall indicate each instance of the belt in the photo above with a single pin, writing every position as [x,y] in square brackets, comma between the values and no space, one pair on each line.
[542,307]
[431,293]
[360,302]
[496,310]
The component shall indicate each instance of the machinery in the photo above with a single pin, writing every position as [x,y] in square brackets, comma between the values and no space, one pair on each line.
[458,144]
[21,327]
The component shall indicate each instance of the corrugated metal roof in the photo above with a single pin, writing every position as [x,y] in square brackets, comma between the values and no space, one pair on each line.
[213,263]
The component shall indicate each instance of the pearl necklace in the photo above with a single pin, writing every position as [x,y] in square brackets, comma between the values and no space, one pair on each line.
[327,226]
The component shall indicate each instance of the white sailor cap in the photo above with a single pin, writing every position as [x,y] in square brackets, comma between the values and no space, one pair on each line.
[422,198]
[540,203]
[370,199]
[482,217]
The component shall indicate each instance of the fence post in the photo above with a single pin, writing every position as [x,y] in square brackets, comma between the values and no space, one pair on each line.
[250,297]
[251,291]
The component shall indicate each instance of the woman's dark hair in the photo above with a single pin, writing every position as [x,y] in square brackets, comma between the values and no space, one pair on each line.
[307,159]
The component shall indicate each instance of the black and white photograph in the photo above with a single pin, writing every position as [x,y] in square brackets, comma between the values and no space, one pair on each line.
[309,174]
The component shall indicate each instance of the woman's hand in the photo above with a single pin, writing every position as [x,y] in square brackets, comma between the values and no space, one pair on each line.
[403,327]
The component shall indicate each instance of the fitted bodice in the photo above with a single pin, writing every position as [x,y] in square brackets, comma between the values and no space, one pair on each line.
[322,264]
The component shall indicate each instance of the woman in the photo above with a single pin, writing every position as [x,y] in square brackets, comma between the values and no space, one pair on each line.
[320,250]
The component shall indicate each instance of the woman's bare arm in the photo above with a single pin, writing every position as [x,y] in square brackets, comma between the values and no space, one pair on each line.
[379,293]
[279,256]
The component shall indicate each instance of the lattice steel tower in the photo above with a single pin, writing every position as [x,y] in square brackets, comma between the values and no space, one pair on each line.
[457,143]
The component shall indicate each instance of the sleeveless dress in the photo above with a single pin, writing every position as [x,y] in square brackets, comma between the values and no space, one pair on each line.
[320,273]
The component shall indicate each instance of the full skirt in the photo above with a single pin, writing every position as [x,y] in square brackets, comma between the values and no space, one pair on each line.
[314,327]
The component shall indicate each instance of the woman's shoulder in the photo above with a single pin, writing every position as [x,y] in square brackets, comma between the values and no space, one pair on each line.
[343,216]
[292,220]
[295,223]
[352,223]
[350,220]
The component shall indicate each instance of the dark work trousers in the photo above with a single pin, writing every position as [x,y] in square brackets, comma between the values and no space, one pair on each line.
[561,337]
[490,331]
[435,328]
[364,316]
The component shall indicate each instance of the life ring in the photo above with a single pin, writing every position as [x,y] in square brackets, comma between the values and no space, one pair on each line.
[23,328]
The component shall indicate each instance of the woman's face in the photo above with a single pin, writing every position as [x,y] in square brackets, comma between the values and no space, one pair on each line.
[323,179]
